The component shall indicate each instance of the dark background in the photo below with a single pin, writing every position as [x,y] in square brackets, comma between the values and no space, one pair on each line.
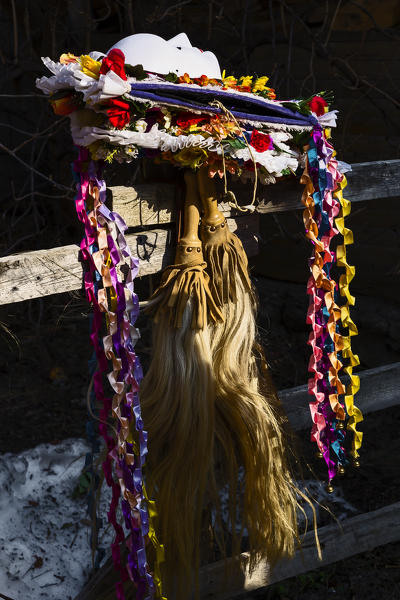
[351,48]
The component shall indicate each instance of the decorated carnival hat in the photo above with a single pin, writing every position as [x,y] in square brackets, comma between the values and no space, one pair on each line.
[152,96]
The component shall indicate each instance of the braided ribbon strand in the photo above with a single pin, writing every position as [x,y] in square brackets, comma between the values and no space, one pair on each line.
[323,218]
[109,285]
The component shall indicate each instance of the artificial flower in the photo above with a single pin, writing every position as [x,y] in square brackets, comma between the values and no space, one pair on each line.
[221,126]
[187,120]
[246,81]
[68,58]
[260,141]
[118,112]
[260,84]
[216,165]
[191,157]
[184,79]
[203,80]
[96,150]
[111,155]
[141,125]
[65,105]
[114,61]
[167,117]
[317,105]
[90,66]
[229,82]
[249,165]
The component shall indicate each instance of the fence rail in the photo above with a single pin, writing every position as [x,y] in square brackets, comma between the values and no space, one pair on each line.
[40,273]
[151,208]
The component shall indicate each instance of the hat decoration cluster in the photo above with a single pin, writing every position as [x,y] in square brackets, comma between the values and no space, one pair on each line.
[169,101]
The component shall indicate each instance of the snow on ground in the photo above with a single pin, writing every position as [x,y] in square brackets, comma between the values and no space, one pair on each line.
[44,531]
[44,534]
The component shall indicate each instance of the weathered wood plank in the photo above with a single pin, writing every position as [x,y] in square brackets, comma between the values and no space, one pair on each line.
[145,204]
[338,541]
[352,536]
[44,272]
[152,204]
[39,273]
[379,389]
[367,181]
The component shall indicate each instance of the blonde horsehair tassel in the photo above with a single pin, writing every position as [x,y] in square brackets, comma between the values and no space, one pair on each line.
[178,407]
[223,250]
[248,425]
[187,278]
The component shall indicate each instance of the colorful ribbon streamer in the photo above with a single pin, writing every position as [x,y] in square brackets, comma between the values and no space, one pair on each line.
[111,270]
[323,218]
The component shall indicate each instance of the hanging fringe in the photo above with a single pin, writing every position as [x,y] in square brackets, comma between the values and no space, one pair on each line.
[180,283]
[225,257]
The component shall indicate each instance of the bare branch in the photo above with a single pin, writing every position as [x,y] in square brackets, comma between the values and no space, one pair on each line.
[60,186]
[15,30]
[42,133]
[335,14]
[367,12]
[4,597]
[42,96]
[341,64]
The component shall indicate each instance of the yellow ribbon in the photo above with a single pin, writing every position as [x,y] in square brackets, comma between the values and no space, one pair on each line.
[159,548]
[355,415]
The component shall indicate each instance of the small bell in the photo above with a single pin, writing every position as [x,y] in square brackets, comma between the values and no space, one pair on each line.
[329,488]
[340,470]
[340,425]
[356,463]
[319,455]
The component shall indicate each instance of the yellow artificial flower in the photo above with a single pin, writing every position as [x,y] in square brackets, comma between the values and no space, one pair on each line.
[94,147]
[194,127]
[90,66]
[191,157]
[228,81]
[167,117]
[110,156]
[246,81]
[260,84]
[67,58]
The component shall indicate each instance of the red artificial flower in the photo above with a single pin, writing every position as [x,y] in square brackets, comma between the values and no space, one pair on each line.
[187,120]
[317,105]
[249,165]
[114,61]
[203,80]
[260,141]
[118,112]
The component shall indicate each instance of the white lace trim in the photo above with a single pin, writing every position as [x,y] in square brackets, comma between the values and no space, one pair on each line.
[153,139]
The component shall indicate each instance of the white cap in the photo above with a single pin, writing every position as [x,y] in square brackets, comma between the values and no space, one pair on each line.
[176,55]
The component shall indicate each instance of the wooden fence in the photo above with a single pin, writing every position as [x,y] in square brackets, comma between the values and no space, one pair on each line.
[149,210]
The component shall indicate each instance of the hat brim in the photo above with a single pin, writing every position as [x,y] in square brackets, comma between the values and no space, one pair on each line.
[243,106]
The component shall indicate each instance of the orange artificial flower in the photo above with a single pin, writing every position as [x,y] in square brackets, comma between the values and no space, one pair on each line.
[184,79]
